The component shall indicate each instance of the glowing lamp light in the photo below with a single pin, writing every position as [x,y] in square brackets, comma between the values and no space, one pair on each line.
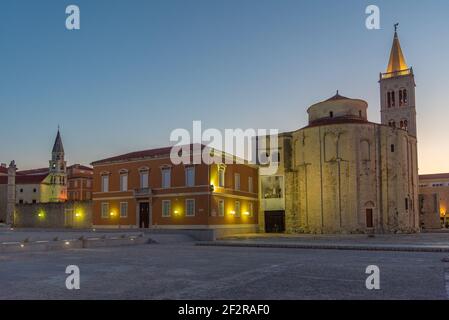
[67,243]
[22,245]
[246,213]
[112,214]
[40,214]
[232,212]
[77,214]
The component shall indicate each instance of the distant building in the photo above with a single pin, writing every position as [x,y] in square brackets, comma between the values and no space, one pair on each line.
[343,173]
[79,182]
[434,200]
[36,185]
[145,189]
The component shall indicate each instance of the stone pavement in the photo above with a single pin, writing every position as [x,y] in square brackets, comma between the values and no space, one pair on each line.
[173,271]
[424,242]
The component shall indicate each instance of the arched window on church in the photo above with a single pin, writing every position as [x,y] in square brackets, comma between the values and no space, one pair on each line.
[391,99]
[406,125]
[392,123]
[402,97]
[401,124]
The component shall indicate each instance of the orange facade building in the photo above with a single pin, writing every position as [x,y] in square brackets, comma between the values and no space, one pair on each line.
[144,189]
[79,182]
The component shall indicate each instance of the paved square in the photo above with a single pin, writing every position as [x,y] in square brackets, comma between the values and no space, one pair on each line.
[185,271]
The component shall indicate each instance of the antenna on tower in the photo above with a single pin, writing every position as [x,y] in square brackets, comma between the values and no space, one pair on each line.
[396,25]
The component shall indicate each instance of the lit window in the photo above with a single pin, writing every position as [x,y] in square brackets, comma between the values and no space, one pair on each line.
[251,209]
[190,207]
[190,176]
[166,177]
[123,209]
[237,209]
[221,177]
[166,208]
[221,208]
[105,210]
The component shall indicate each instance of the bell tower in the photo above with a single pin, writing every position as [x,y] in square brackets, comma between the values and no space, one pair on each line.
[397,91]
[58,172]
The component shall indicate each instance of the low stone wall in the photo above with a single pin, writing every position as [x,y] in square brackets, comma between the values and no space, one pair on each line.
[71,214]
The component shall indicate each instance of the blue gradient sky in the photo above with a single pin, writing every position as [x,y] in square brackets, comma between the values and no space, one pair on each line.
[138,69]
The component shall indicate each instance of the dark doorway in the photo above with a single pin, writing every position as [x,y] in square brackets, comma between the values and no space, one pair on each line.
[369,218]
[144,215]
[274,221]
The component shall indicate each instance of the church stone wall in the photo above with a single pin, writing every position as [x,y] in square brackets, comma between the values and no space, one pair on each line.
[339,171]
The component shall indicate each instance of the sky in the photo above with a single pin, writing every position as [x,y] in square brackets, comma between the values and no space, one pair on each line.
[138,69]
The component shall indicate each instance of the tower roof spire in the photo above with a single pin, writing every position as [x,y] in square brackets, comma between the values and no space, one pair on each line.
[58,147]
[397,60]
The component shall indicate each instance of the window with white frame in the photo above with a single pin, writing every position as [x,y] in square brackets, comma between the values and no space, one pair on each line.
[190,207]
[124,181]
[105,183]
[221,177]
[166,177]
[105,210]
[237,181]
[123,209]
[166,208]
[237,209]
[190,176]
[221,208]
[250,185]
[144,175]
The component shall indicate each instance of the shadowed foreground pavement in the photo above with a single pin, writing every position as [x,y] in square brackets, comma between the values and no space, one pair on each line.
[186,271]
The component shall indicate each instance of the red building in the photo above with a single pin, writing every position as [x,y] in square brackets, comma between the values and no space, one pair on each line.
[79,182]
[145,189]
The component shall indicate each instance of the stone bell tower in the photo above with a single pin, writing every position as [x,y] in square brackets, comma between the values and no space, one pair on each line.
[57,172]
[397,91]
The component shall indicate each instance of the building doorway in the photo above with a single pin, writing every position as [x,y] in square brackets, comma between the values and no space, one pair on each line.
[274,221]
[144,215]
[369,218]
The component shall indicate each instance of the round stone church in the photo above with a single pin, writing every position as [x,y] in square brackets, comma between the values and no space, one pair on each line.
[344,174]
